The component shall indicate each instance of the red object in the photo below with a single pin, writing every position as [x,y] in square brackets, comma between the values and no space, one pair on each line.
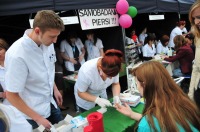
[134,37]
[95,120]
[88,129]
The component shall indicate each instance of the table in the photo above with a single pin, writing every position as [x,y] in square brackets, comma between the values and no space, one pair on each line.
[170,66]
[116,122]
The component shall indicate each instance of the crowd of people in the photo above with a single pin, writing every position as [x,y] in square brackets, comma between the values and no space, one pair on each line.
[31,72]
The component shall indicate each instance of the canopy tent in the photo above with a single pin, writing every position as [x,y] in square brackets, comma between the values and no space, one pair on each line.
[13,7]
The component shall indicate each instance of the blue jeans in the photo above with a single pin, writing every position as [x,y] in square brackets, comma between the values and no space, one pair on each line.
[54,117]
[177,72]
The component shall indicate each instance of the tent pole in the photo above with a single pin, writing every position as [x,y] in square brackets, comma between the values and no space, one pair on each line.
[123,40]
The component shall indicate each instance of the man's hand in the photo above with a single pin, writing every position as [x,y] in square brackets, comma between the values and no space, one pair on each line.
[58,97]
[42,121]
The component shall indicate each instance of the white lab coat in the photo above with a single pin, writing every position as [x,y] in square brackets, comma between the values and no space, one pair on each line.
[30,72]
[2,77]
[161,49]
[176,31]
[16,121]
[90,81]
[148,51]
[67,49]
[93,51]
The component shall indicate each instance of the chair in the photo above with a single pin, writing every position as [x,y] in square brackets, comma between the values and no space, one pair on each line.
[183,82]
[179,80]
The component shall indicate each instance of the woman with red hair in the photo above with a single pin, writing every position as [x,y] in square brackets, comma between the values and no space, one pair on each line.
[93,79]
[176,31]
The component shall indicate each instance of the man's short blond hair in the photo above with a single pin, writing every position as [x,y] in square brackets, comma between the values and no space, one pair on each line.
[48,19]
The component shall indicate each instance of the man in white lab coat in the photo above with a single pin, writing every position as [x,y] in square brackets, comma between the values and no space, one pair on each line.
[30,69]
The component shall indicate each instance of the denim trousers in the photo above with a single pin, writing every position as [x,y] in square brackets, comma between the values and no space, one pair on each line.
[54,117]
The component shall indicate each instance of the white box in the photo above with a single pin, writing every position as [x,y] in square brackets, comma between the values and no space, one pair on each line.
[131,100]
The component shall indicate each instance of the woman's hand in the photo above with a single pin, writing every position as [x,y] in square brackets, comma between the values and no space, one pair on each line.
[81,57]
[164,56]
[126,110]
[72,60]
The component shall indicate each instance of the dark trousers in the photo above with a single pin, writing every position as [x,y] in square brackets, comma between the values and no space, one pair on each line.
[55,117]
[81,110]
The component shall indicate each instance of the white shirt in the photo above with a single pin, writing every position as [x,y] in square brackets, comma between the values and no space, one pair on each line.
[184,30]
[176,31]
[142,37]
[67,49]
[161,49]
[90,81]
[2,77]
[92,50]
[30,72]
[129,41]
[149,51]
[16,121]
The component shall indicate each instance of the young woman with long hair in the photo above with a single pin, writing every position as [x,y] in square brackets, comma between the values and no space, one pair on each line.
[167,107]
[194,17]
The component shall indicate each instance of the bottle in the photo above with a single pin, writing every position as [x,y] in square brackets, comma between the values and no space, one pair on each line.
[169,53]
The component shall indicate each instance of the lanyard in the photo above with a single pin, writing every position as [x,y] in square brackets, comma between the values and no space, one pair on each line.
[73,48]
[91,49]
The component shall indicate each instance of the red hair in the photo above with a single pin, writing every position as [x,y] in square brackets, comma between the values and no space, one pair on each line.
[111,62]
[180,23]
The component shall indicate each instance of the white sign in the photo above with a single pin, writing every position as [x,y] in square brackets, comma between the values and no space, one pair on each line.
[98,18]
[156,17]
[66,20]
[70,20]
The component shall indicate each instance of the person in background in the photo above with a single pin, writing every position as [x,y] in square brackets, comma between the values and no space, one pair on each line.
[142,37]
[176,31]
[162,46]
[134,36]
[93,79]
[184,55]
[184,31]
[194,17]
[30,71]
[94,46]
[129,41]
[59,81]
[190,40]
[167,108]
[3,48]
[149,49]
[73,52]
[12,120]
[135,39]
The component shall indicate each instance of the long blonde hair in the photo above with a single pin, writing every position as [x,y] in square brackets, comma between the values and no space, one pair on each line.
[194,28]
[165,100]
